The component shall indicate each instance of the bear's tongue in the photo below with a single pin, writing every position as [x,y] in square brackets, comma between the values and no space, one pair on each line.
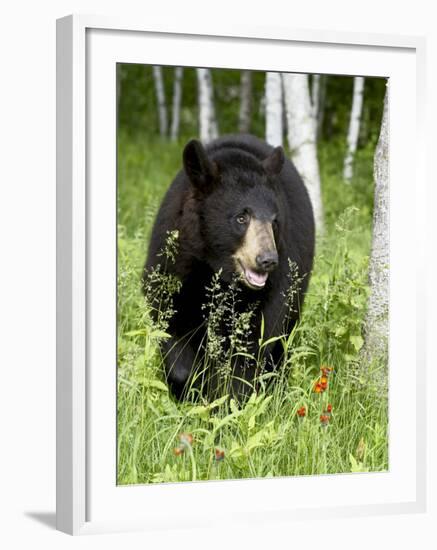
[256,279]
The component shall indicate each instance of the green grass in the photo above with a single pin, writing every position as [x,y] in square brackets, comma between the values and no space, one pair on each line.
[266,437]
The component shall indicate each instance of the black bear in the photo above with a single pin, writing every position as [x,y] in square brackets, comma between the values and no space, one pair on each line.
[241,211]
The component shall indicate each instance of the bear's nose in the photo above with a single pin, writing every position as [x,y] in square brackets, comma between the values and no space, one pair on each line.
[267,260]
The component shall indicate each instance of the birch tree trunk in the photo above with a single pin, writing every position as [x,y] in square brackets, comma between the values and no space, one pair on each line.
[302,138]
[354,127]
[245,101]
[274,111]
[176,107]
[376,323]
[207,119]
[160,98]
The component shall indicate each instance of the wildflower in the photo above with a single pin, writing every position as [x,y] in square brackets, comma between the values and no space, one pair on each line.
[186,440]
[219,455]
[324,419]
[323,382]
[301,412]
[178,451]
[321,385]
[170,249]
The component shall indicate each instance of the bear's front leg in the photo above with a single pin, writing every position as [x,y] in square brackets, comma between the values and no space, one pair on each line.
[178,361]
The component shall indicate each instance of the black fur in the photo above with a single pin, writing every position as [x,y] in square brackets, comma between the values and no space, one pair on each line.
[227,176]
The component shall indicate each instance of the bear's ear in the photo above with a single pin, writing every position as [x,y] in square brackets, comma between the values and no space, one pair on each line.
[274,162]
[200,170]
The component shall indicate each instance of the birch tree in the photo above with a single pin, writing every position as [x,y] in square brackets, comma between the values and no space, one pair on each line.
[176,106]
[301,136]
[354,127]
[160,98]
[207,120]
[376,323]
[274,111]
[245,101]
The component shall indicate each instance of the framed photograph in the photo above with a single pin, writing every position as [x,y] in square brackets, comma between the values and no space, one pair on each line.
[238,321]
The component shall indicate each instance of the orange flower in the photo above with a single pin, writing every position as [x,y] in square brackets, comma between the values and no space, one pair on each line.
[324,419]
[329,408]
[219,455]
[301,412]
[178,451]
[323,382]
[318,387]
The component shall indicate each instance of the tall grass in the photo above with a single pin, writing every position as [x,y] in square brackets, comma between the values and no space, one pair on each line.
[300,427]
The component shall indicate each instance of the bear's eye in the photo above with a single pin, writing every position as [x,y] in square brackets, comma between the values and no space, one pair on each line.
[242,218]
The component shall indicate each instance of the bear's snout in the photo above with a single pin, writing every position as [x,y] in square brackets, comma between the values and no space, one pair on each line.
[267,261]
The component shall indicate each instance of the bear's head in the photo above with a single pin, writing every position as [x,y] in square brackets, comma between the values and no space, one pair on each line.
[238,210]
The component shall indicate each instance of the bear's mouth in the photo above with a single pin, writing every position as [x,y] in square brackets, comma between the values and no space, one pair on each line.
[253,279]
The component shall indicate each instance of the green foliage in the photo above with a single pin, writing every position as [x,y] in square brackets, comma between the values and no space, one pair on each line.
[265,437]
[338,102]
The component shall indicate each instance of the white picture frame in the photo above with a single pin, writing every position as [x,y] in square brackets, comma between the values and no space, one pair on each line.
[87,49]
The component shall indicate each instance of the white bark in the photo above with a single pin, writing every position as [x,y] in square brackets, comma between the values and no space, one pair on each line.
[245,101]
[207,119]
[160,98]
[354,127]
[273,93]
[176,107]
[376,324]
[302,138]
